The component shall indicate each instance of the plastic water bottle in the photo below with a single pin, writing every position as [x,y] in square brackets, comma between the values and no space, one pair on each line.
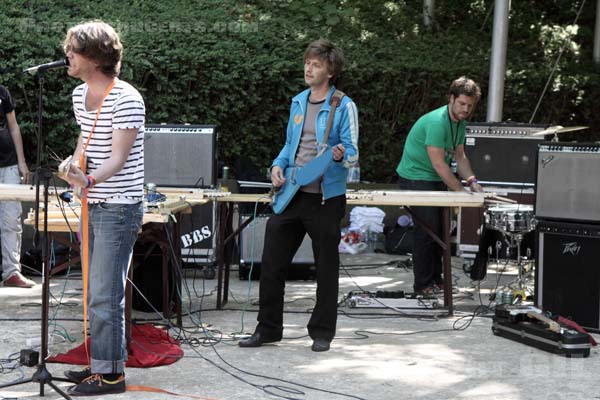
[353,174]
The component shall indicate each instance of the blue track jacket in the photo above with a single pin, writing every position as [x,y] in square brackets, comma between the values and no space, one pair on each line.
[344,130]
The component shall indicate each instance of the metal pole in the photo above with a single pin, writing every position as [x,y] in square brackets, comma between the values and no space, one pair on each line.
[498,61]
[597,35]
[428,11]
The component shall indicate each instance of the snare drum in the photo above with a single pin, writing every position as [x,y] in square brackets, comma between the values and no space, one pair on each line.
[510,218]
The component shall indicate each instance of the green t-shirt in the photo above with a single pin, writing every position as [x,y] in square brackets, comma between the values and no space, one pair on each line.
[432,129]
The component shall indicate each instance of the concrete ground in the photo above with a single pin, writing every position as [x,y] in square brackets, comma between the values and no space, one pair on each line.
[377,354]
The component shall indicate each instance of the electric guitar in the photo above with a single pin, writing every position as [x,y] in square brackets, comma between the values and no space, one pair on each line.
[295,177]
[63,170]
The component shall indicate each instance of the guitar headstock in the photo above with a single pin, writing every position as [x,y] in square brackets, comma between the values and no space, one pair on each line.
[63,168]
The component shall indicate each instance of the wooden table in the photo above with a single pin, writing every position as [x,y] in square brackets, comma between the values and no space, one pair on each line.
[447,200]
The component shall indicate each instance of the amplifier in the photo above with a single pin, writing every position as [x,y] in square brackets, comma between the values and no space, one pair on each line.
[252,240]
[567,182]
[503,153]
[567,278]
[180,155]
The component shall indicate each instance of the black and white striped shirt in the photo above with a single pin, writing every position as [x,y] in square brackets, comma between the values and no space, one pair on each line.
[123,108]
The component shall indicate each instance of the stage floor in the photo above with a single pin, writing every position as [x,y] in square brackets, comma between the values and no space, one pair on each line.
[377,353]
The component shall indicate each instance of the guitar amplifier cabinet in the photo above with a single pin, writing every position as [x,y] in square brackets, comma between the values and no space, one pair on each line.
[180,155]
[503,154]
[567,278]
[567,182]
[251,250]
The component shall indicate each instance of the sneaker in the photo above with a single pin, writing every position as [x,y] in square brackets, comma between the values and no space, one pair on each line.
[437,288]
[96,385]
[426,291]
[18,280]
[78,376]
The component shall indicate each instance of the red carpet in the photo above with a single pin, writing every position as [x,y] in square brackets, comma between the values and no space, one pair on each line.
[150,347]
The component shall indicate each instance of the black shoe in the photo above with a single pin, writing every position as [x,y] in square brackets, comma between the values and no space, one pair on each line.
[96,385]
[320,344]
[78,376]
[256,340]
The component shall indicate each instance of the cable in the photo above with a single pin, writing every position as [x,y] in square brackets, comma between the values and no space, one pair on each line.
[555,66]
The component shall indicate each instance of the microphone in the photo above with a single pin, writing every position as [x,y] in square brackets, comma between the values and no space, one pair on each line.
[44,67]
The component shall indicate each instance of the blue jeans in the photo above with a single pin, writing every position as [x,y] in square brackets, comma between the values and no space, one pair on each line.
[113,229]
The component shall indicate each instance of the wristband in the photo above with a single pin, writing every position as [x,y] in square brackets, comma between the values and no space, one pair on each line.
[91,181]
[471,180]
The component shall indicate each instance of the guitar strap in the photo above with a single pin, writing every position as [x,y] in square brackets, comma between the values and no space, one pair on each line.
[335,101]
[84,219]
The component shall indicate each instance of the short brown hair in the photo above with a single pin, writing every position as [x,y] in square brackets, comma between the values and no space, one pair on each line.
[97,41]
[327,51]
[466,86]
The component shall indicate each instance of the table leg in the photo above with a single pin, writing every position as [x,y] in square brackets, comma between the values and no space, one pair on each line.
[447,263]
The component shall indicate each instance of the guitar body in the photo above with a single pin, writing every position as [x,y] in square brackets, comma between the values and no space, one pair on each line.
[295,177]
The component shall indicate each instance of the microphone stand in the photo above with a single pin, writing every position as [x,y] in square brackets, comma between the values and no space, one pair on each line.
[42,174]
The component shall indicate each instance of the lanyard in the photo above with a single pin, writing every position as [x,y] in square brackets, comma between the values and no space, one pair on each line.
[454,135]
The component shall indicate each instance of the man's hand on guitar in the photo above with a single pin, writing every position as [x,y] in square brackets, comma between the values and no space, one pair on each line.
[76,177]
[277,177]
[338,152]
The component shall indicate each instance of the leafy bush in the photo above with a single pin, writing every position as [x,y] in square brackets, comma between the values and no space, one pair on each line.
[237,64]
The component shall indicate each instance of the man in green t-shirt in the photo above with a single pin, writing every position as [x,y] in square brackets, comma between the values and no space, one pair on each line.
[434,142]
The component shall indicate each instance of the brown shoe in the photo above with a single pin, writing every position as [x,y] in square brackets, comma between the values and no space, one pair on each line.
[18,280]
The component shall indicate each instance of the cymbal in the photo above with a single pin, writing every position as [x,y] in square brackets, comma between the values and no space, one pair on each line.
[558,129]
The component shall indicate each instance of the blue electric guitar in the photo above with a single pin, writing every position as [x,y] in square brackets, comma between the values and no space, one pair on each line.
[295,177]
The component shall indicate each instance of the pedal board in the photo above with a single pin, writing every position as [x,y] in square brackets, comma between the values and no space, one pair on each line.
[527,325]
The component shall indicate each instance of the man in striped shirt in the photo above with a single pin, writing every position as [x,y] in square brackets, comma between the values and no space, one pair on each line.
[111,116]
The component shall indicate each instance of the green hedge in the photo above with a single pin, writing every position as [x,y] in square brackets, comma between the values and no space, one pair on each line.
[237,64]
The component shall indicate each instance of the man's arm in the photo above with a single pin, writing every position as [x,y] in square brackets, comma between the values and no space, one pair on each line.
[348,136]
[436,155]
[15,133]
[78,148]
[463,166]
[123,140]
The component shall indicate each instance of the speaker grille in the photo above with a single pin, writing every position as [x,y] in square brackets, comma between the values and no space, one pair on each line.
[567,271]
[567,176]
[180,155]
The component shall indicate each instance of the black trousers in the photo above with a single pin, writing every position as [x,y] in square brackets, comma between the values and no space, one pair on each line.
[283,237]
[427,254]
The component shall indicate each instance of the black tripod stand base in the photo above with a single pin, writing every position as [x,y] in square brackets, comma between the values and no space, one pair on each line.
[43,377]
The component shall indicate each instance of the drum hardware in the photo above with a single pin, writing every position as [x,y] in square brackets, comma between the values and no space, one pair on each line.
[514,221]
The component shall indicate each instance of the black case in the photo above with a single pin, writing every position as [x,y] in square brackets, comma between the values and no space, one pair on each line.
[512,324]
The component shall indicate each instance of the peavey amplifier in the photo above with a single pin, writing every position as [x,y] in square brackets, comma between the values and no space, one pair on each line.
[567,182]
[503,153]
[180,155]
[567,277]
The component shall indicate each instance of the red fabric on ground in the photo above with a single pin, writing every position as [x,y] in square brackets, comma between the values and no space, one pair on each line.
[150,347]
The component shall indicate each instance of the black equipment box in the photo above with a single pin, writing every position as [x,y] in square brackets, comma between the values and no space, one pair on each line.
[513,322]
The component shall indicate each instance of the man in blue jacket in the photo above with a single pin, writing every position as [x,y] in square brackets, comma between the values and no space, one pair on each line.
[317,208]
